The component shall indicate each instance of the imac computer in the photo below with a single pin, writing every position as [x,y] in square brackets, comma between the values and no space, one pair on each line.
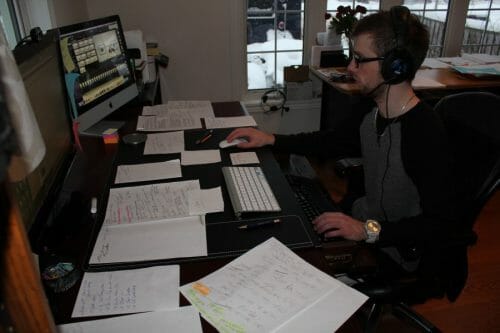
[97,72]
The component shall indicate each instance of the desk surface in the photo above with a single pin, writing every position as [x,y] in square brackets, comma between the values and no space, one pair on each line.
[450,79]
[97,162]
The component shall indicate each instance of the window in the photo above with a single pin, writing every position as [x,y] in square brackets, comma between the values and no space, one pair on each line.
[332,5]
[9,21]
[482,27]
[275,39]
[434,15]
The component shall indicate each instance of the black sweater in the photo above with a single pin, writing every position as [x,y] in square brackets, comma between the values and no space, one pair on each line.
[426,160]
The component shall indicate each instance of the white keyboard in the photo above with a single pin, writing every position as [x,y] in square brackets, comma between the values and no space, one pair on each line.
[249,190]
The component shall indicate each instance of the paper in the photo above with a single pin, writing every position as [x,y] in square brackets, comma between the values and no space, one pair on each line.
[171,122]
[421,81]
[185,319]
[129,291]
[270,289]
[457,61]
[244,158]
[164,143]
[162,239]
[205,201]
[229,122]
[148,171]
[199,109]
[151,202]
[434,63]
[479,70]
[481,58]
[196,157]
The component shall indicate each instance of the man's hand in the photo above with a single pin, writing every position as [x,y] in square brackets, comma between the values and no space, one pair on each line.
[254,137]
[340,225]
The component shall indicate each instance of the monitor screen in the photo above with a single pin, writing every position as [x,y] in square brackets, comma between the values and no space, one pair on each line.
[40,70]
[97,72]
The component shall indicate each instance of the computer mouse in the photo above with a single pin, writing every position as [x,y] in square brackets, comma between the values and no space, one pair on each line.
[224,144]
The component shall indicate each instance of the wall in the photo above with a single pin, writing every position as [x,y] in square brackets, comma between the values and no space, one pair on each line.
[65,12]
[198,36]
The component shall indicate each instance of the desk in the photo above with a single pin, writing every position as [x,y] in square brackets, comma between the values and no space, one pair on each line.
[334,106]
[97,162]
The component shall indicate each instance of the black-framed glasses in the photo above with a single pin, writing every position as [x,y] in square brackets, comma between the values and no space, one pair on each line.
[359,59]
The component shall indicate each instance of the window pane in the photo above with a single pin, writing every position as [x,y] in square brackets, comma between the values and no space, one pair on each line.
[273,26]
[433,14]
[482,27]
[371,5]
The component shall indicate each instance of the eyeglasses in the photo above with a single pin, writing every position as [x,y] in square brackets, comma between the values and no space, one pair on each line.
[359,59]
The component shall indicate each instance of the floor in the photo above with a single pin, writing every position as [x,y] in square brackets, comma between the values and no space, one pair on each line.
[478,307]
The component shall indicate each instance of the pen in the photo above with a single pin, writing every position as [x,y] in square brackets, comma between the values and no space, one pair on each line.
[205,137]
[259,224]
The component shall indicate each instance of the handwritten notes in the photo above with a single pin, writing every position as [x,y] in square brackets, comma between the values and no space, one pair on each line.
[138,204]
[199,109]
[128,173]
[184,319]
[266,289]
[129,291]
[155,240]
[164,143]
[244,158]
[174,121]
[228,122]
[205,201]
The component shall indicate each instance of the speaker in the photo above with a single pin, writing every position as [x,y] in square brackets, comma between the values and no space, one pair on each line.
[398,63]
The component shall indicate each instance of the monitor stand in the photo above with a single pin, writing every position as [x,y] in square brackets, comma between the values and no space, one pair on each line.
[100,127]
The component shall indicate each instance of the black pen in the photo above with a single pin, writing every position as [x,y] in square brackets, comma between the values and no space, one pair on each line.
[259,224]
[205,137]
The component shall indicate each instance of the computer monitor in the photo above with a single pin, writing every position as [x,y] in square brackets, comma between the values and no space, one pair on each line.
[97,72]
[40,70]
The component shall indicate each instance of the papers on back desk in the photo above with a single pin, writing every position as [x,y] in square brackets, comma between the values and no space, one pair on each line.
[164,143]
[229,122]
[171,122]
[128,291]
[199,109]
[127,173]
[271,289]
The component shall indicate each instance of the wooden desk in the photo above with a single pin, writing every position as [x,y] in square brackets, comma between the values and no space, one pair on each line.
[335,107]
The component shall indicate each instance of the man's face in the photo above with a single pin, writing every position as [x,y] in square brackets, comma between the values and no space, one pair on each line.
[367,74]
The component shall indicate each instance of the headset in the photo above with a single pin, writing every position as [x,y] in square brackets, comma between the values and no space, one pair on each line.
[280,105]
[398,63]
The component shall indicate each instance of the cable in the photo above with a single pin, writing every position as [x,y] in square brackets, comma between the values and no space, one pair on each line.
[275,107]
[387,157]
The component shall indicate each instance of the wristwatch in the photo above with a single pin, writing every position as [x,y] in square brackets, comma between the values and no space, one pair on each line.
[372,229]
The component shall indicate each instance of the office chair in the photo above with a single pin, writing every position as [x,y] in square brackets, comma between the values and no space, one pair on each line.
[472,121]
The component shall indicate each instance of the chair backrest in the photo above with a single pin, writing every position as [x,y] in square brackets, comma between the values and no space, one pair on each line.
[472,120]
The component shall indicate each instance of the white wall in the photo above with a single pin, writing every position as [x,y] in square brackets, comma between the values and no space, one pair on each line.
[65,12]
[198,36]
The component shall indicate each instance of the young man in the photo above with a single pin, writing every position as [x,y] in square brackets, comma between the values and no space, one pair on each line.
[410,201]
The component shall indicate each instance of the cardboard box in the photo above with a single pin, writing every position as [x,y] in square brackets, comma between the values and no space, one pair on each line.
[298,73]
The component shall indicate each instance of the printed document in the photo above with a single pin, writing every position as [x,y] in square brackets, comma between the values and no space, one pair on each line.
[271,289]
[128,173]
[164,143]
[244,158]
[128,291]
[229,122]
[185,319]
[205,201]
[163,239]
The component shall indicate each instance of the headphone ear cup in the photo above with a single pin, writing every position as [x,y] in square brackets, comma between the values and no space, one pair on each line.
[397,66]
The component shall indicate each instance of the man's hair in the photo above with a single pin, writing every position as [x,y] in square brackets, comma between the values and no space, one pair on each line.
[411,35]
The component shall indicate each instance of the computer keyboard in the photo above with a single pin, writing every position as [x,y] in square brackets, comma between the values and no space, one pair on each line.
[249,190]
[312,198]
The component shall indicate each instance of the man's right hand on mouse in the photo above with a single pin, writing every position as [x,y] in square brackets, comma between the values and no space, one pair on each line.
[255,137]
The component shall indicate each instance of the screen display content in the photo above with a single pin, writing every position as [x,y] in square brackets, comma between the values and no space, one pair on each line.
[97,71]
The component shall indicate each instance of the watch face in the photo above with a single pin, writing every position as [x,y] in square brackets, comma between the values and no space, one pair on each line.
[373,226]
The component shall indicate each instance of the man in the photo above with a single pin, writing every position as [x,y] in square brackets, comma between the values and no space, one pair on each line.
[410,203]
